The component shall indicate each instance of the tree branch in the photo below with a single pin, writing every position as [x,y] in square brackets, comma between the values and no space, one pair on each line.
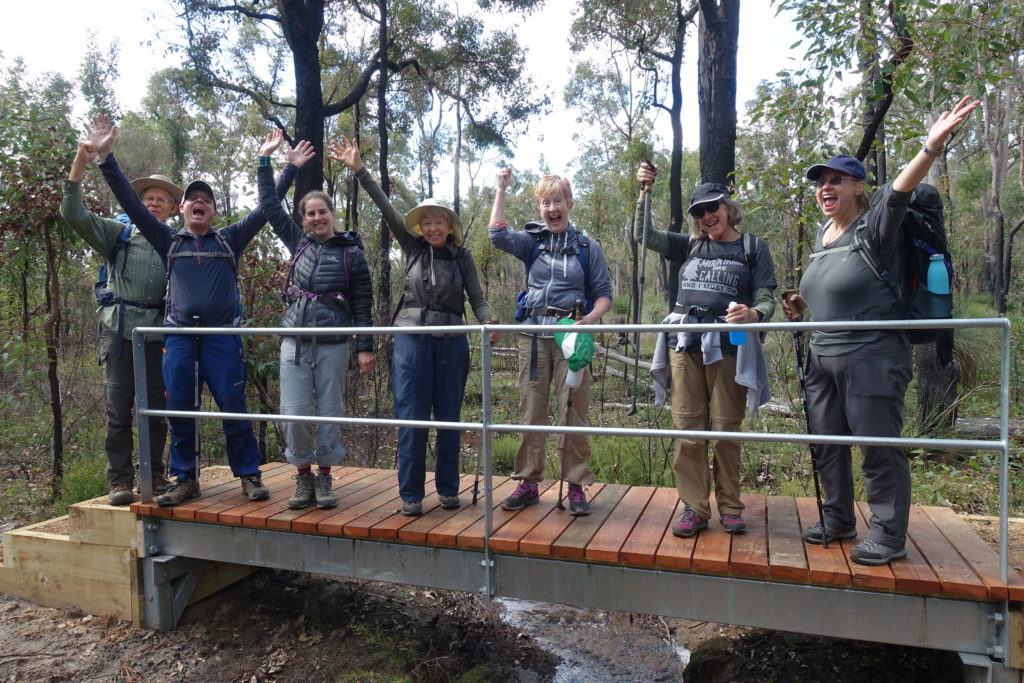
[905,45]
[241,10]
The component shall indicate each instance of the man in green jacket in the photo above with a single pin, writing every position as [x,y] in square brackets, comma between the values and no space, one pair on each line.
[136,283]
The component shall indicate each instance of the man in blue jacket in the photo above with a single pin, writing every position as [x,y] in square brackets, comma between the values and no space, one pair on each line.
[202,291]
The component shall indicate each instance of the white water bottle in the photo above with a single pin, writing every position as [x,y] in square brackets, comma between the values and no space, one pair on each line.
[739,337]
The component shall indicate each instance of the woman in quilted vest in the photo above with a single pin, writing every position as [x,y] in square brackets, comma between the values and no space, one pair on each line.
[328,285]
[429,371]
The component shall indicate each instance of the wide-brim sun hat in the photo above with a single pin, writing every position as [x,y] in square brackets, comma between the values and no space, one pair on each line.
[709,192]
[843,163]
[412,220]
[140,185]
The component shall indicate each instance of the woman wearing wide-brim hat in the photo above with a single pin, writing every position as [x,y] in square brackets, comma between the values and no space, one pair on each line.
[856,379]
[429,371]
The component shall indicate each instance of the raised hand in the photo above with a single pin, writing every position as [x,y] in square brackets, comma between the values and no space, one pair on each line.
[346,152]
[271,143]
[102,135]
[302,152]
[83,156]
[947,121]
[645,175]
[504,178]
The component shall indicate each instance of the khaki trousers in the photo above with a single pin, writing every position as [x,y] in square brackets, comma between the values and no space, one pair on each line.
[534,407]
[707,398]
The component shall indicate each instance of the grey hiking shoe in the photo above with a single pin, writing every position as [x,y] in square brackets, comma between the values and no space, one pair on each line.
[689,523]
[525,494]
[412,509]
[303,496]
[178,492]
[813,533]
[121,494]
[449,502]
[253,488]
[325,498]
[871,552]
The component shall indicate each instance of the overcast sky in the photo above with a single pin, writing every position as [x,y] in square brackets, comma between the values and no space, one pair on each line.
[51,36]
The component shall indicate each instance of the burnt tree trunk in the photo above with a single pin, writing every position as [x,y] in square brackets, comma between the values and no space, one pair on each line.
[50,336]
[384,289]
[716,89]
[937,390]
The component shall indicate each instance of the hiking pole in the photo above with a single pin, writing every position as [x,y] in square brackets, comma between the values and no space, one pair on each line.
[576,309]
[798,342]
[196,341]
[641,280]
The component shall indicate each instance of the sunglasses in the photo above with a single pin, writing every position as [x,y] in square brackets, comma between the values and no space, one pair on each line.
[699,210]
[833,180]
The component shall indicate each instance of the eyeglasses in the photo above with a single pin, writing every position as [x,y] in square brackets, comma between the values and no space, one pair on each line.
[832,180]
[162,201]
[699,210]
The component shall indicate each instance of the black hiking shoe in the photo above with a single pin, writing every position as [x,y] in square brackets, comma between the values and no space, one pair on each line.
[813,534]
[449,502]
[525,494]
[253,488]
[178,492]
[871,552]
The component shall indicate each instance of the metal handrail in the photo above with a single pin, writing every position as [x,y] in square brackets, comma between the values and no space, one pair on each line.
[485,427]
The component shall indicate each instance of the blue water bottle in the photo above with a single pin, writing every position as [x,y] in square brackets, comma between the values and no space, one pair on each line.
[938,276]
[739,337]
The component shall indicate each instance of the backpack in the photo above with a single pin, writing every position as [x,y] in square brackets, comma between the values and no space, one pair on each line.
[291,290]
[174,251]
[924,235]
[460,261]
[105,296]
[582,253]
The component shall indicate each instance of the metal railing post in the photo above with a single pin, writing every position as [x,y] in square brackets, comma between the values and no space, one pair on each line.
[141,416]
[485,454]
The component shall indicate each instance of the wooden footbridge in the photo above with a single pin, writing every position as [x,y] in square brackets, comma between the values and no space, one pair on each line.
[952,592]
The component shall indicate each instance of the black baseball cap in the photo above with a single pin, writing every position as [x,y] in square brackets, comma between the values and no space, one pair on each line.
[201,185]
[843,163]
[709,192]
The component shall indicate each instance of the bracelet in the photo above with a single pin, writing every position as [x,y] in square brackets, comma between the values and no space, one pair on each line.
[264,161]
[931,152]
[499,225]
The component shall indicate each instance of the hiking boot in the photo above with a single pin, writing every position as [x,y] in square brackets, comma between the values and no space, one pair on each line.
[253,488]
[689,523]
[733,524]
[578,504]
[525,494]
[449,502]
[121,494]
[412,509]
[303,496]
[871,552]
[160,484]
[813,534]
[178,492]
[325,498]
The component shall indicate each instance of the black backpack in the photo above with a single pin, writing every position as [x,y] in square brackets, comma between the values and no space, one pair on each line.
[924,235]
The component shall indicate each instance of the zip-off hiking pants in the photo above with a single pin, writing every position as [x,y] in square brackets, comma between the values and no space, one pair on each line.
[313,387]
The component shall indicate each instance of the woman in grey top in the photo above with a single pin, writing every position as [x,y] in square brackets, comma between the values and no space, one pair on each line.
[428,371]
[856,380]
[725,276]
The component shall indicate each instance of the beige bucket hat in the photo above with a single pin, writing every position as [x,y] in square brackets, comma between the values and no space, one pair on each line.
[412,221]
[140,185]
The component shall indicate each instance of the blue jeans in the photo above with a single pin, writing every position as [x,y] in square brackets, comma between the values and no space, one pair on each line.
[429,375]
[222,370]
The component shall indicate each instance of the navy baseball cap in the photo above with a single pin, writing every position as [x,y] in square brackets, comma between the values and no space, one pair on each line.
[202,186]
[709,192]
[843,163]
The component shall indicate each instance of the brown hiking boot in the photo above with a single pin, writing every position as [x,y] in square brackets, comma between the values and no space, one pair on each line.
[121,494]
[253,488]
[178,493]
[325,498]
[160,484]
[303,496]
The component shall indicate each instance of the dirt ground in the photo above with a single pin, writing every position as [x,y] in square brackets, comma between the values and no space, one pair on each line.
[284,626]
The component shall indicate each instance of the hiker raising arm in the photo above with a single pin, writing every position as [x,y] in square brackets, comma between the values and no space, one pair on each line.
[856,379]
[131,296]
[429,371]
[566,276]
[724,276]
